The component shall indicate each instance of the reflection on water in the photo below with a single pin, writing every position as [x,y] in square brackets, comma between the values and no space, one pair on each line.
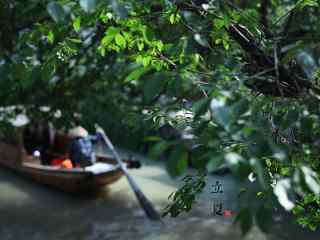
[31,211]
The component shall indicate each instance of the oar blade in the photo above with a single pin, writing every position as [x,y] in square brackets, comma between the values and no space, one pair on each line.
[147,206]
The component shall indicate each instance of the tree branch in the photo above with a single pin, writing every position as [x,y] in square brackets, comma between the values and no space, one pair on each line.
[264,13]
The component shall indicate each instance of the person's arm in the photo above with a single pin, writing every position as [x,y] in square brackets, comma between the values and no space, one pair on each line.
[94,138]
[98,136]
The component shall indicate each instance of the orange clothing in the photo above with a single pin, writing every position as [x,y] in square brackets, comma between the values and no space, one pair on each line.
[67,164]
[62,162]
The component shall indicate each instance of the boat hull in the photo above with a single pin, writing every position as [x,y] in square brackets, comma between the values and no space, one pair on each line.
[77,180]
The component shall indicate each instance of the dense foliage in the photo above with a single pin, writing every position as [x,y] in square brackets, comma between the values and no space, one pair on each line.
[208,82]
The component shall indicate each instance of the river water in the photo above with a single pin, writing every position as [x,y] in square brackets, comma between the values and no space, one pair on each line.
[34,212]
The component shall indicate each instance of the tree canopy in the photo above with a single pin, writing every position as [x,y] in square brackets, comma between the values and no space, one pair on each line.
[215,82]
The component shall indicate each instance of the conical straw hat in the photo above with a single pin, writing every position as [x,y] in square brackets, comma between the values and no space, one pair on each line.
[78,132]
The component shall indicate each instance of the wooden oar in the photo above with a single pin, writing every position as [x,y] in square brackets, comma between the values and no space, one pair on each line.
[144,202]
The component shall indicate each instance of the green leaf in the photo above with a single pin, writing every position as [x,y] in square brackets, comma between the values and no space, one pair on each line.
[285,171]
[306,3]
[47,71]
[50,37]
[154,86]
[281,190]
[174,18]
[264,219]
[311,179]
[136,74]
[158,149]
[176,86]
[146,60]
[56,11]
[112,31]
[221,112]
[120,40]
[77,24]
[110,35]
[88,6]
[260,171]
[102,50]
[106,40]
[152,139]
[201,40]
[225,44]
[171,18]
[75,40]
[140,46]
[245,219]
[214,163]
[238,165]
[290,119]
[178,161]
[200,107]
[148,35]
[105,17]
[219,23]
[239,108]
[259,145]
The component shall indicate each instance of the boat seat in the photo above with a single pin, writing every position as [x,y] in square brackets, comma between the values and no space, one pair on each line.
[100,167]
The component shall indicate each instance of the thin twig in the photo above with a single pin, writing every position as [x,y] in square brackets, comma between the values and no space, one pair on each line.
[162,57]
[285,15]
[202,73]
[188,27]
[257,75]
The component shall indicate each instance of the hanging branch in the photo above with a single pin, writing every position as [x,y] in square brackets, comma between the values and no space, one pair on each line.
[283,83]
[279,82]
[264,13]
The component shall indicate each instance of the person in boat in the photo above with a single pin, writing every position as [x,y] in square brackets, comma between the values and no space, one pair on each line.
[81,148]
[60,152]
[62,162]
[38,138]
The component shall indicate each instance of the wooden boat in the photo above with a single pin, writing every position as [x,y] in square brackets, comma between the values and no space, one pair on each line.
[105,171]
